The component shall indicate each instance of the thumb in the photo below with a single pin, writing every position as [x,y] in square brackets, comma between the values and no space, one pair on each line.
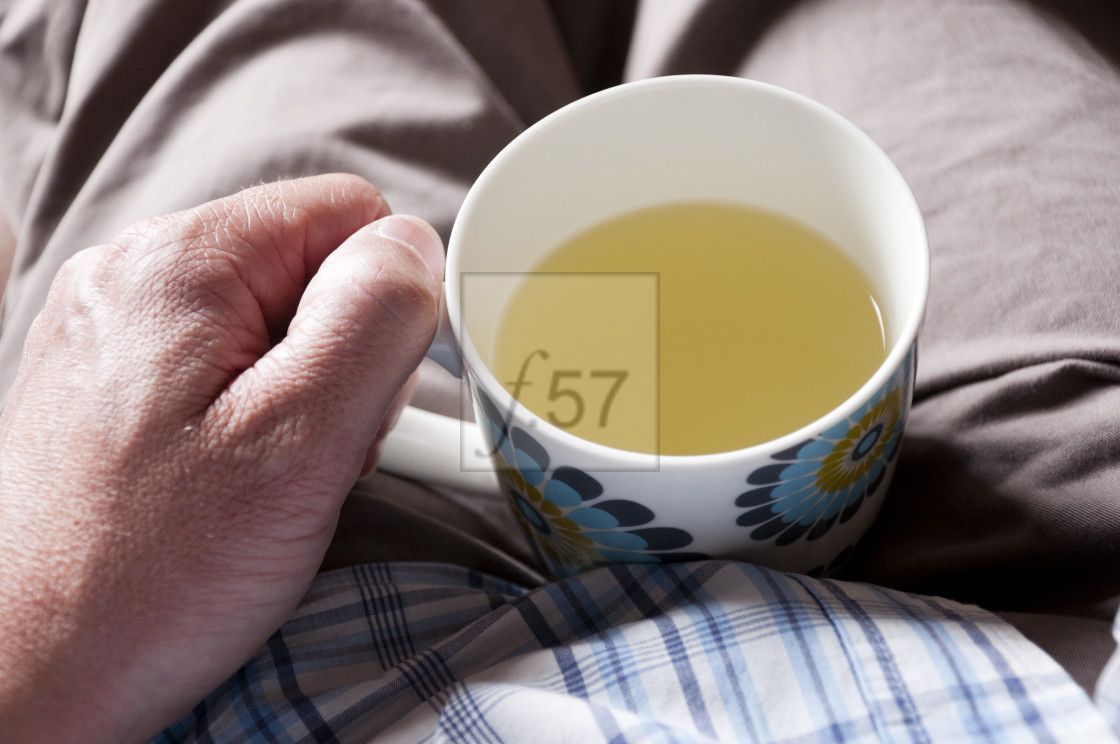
[316,400]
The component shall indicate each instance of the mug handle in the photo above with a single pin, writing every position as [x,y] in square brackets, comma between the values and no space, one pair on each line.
[444,350]
[440,450]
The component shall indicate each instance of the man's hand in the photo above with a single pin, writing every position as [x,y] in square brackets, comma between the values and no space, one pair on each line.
[191,409]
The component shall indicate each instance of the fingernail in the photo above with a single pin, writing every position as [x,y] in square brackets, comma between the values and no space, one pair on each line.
[418,234]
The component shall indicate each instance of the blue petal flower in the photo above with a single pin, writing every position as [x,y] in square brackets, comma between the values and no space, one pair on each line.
[561,494]
[589,516]
[792,498]
[799,469]
[531,458]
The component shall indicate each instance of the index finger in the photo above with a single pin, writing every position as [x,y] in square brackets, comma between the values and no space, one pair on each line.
[275,236]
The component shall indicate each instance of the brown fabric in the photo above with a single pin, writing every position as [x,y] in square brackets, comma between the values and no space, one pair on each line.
[1004,117]
[1006,124]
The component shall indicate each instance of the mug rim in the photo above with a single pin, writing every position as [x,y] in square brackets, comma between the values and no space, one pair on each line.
[629,459]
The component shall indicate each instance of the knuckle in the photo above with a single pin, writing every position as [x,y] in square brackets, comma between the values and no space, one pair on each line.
[81,289]
[85,274]
[170,258]
[89,262]
[153,233]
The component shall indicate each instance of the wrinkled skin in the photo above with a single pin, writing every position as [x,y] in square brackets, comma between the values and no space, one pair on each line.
[192,406]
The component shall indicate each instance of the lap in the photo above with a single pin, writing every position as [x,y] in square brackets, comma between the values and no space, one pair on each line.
[1004,119]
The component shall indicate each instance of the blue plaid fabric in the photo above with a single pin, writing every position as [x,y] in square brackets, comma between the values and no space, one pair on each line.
[696,652]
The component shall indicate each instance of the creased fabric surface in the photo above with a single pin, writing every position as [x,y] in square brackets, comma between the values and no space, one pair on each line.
[698,652]
[1003,115]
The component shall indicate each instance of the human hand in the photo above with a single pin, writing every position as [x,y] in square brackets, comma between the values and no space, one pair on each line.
[192,406]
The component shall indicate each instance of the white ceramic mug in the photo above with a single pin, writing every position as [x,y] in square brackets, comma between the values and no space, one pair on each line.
[798,502]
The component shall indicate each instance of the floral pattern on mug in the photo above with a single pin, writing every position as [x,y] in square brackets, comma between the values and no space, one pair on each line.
[824,481]
[570,525]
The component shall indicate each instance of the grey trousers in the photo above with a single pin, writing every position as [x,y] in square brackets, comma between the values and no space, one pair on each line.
[1003,115]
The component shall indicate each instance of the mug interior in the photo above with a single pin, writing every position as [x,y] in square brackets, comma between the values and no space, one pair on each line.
[686,138]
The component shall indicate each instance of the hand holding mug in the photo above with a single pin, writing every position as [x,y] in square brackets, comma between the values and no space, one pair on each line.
[192,407]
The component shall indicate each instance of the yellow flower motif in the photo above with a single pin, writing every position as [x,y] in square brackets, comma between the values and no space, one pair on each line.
[807,489]
[573,551]
[569,528]
[564,544]
[855,454]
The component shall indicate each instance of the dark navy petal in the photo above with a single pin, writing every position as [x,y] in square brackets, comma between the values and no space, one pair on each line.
[491,411]
[617,540]
[664,538]
[821,527]
[766,475]
[494,436]
[892,446]
[756,497]
[768,530]
[628,513]
[879,476]
[815,449]
[851,509]
[587,487]
[755,516]
[794,452]
[525,442]
[792,534]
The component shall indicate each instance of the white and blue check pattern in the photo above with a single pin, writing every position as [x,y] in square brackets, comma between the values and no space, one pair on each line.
[695,652]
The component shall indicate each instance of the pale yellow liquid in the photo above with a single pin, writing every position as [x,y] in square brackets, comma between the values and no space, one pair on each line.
[701,328]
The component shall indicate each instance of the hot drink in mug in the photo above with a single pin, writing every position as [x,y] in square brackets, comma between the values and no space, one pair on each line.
[687,310]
